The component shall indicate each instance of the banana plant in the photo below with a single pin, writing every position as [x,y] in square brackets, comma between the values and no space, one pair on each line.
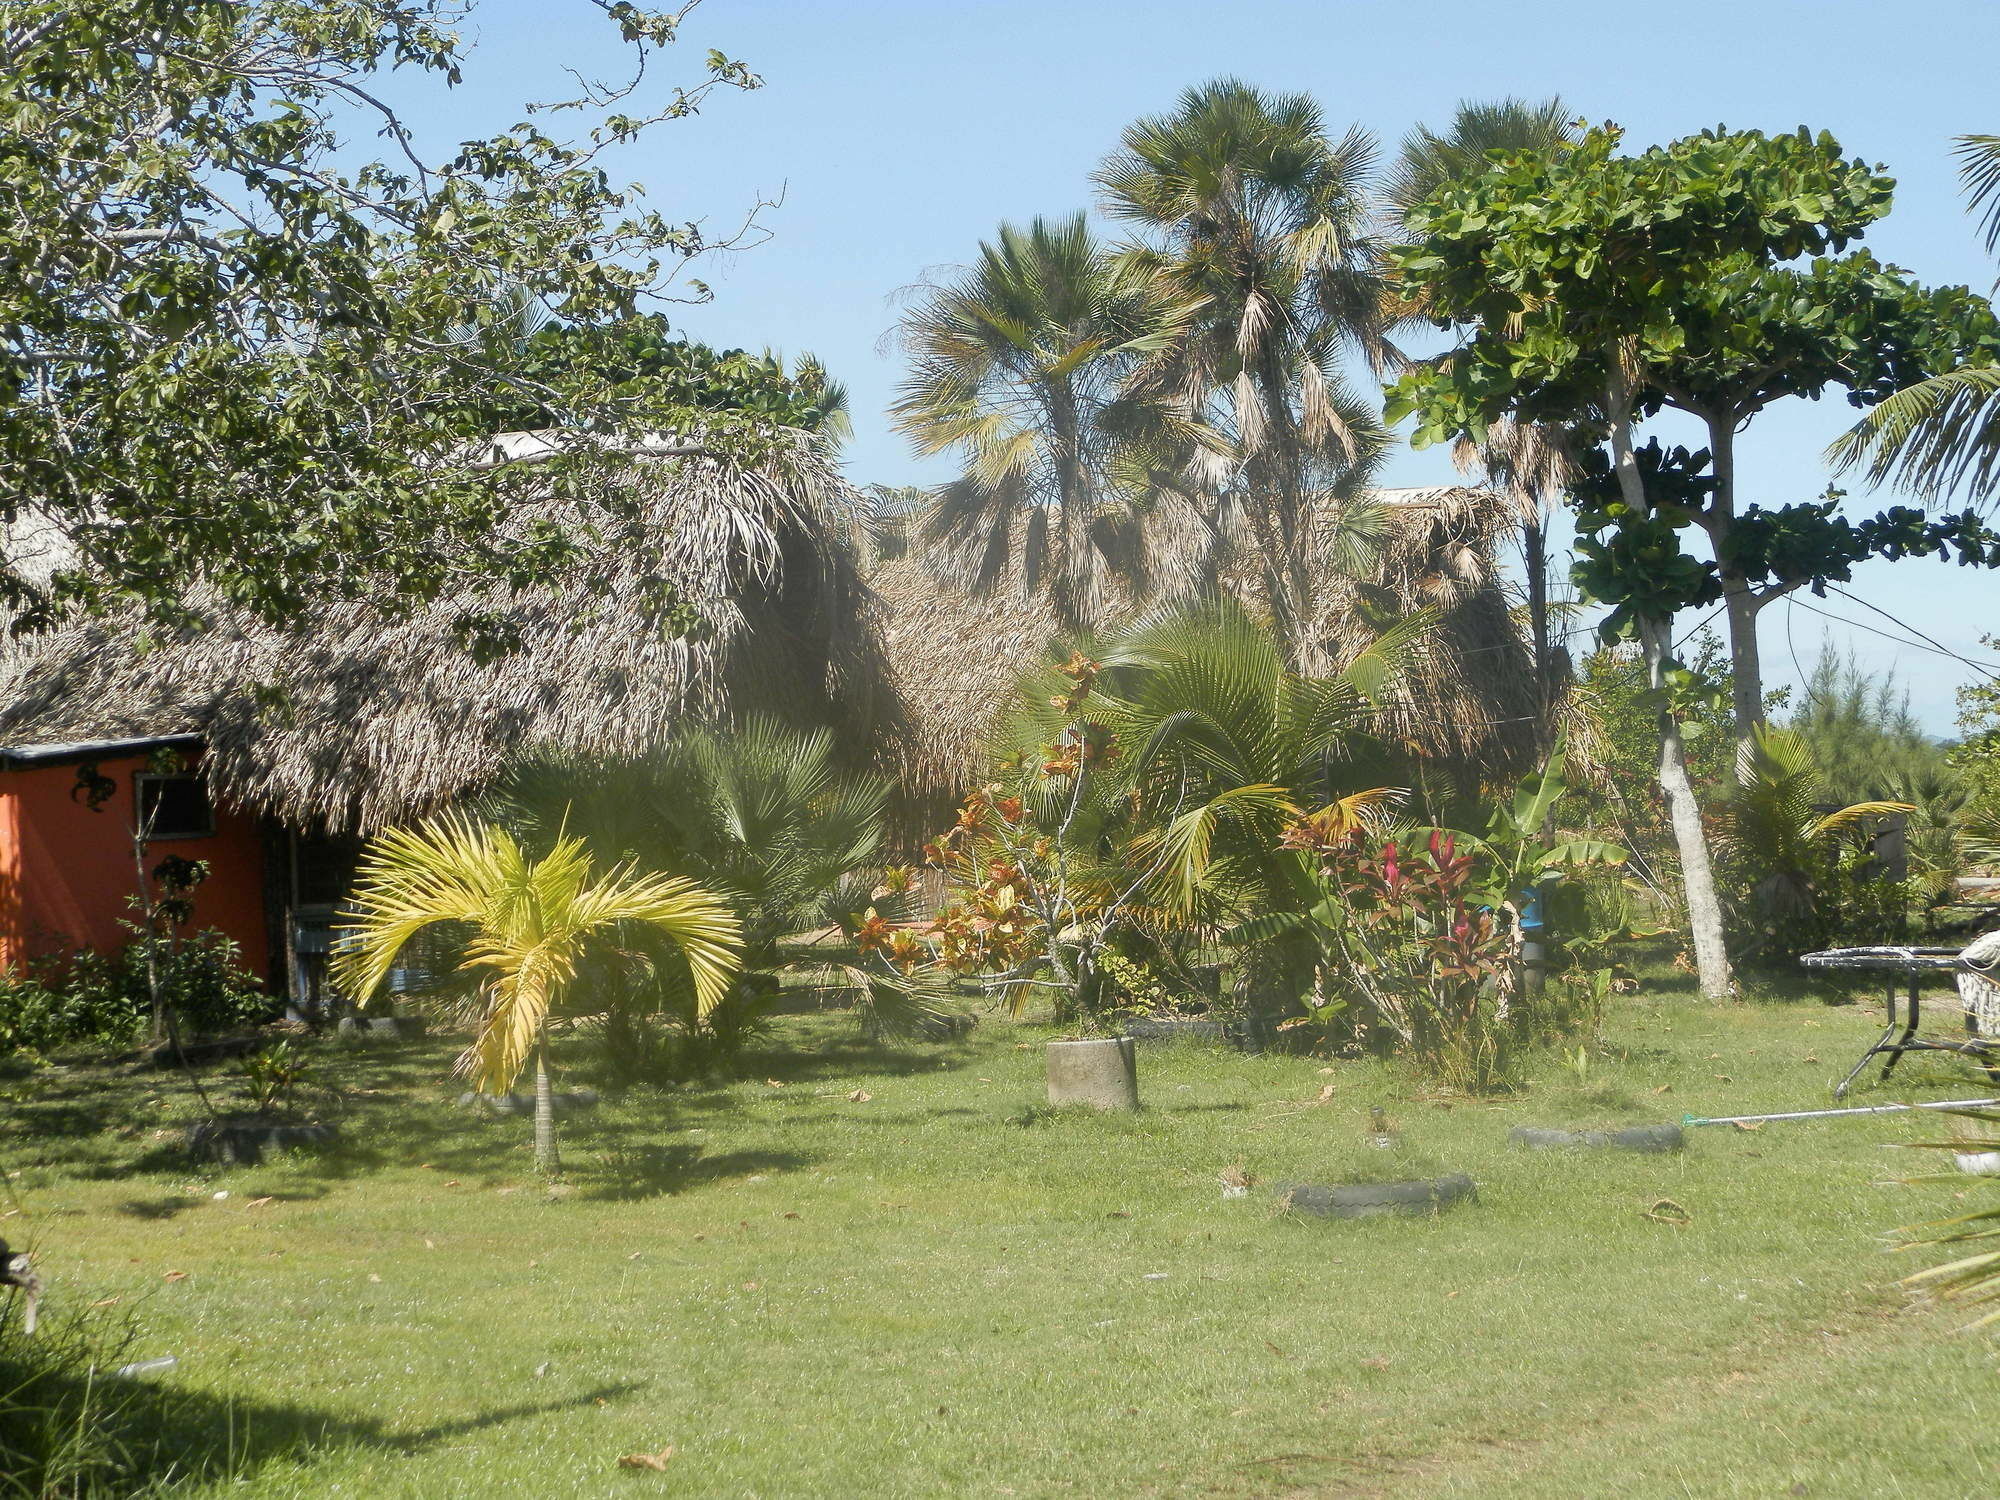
[1520,851]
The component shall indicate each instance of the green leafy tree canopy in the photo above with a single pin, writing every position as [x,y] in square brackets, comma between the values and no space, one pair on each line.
[239,359]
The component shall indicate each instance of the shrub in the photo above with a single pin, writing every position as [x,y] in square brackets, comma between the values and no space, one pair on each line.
[91,996]
[272,1076]
[1431,969]
[1806,869]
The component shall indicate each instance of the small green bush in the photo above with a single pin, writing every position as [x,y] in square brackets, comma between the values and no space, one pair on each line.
[91,996]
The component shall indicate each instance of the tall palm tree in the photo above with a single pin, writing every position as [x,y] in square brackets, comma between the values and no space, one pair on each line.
[527,923]
[1250,210]
[1021,367]
[1941,436]
[1527,463]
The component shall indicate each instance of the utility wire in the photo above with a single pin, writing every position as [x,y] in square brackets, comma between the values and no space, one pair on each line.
[1934,644]
[1925,644]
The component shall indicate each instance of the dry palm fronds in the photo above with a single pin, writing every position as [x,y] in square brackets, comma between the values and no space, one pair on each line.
[1467,694]
[356,719]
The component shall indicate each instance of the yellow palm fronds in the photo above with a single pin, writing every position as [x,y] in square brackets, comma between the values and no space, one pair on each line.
[530,921]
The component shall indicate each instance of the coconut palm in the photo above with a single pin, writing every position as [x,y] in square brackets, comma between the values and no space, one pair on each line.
[1527,463]
[1021,365]
[526,924]
[1250,210]
[1941,436]
[1972,1280]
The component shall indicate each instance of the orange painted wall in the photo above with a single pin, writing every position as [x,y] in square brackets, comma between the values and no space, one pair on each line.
[67,878]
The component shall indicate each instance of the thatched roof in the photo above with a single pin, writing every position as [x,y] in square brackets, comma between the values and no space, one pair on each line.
[1469,698]
[354,719]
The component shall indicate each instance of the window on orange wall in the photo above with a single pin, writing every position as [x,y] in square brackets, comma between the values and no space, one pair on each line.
[173,807]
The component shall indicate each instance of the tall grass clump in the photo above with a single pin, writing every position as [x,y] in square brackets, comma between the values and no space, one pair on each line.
[72,1429]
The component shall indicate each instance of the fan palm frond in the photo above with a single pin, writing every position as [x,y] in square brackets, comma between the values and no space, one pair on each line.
[1429,159]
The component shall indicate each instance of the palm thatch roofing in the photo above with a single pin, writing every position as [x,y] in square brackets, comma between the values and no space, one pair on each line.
[1469,698]
[355,719]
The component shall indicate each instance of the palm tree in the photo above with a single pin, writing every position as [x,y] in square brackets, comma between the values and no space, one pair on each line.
[1777,824]
[1429,160]
[764,815]
[1222,745]
[1528,463]
[1021,367]
[1253,213]
[830,417]
[1941,436]
[525,926]
[761,814]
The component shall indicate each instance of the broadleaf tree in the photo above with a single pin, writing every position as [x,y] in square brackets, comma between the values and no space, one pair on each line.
[1756,333]
[1567,270]
[241,360]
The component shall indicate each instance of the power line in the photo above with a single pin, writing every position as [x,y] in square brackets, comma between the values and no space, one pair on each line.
[1805,682]
[1934,644]
[1707,619]
[1923,644]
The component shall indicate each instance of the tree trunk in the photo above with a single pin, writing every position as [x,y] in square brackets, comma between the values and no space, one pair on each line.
[1704,906]
[1746,669]
[1279,473]
[548,1161]
[1075,586]
[155,991]
[1711,957]
[1535,561]
[1739,600]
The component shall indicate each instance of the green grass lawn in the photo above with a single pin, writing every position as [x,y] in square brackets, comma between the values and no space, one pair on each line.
[940,1289]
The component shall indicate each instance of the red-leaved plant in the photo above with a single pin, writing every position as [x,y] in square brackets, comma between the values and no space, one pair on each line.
[1412,940]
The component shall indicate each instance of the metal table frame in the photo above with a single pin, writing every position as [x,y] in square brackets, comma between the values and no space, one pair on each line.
[1907,968]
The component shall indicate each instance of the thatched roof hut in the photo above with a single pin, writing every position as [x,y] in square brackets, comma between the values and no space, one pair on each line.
[1469,700]
[353,719]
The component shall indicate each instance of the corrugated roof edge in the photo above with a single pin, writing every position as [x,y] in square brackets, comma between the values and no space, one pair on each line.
[14,757]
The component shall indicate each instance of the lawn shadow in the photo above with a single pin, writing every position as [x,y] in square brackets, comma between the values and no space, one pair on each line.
[173,1204]
[651,1171]
[854,1054]
[602,1395]
[136,1432]
[394,1106]
[160,1208]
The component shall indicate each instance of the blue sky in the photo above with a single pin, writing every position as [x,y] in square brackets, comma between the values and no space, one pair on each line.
[900,134]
